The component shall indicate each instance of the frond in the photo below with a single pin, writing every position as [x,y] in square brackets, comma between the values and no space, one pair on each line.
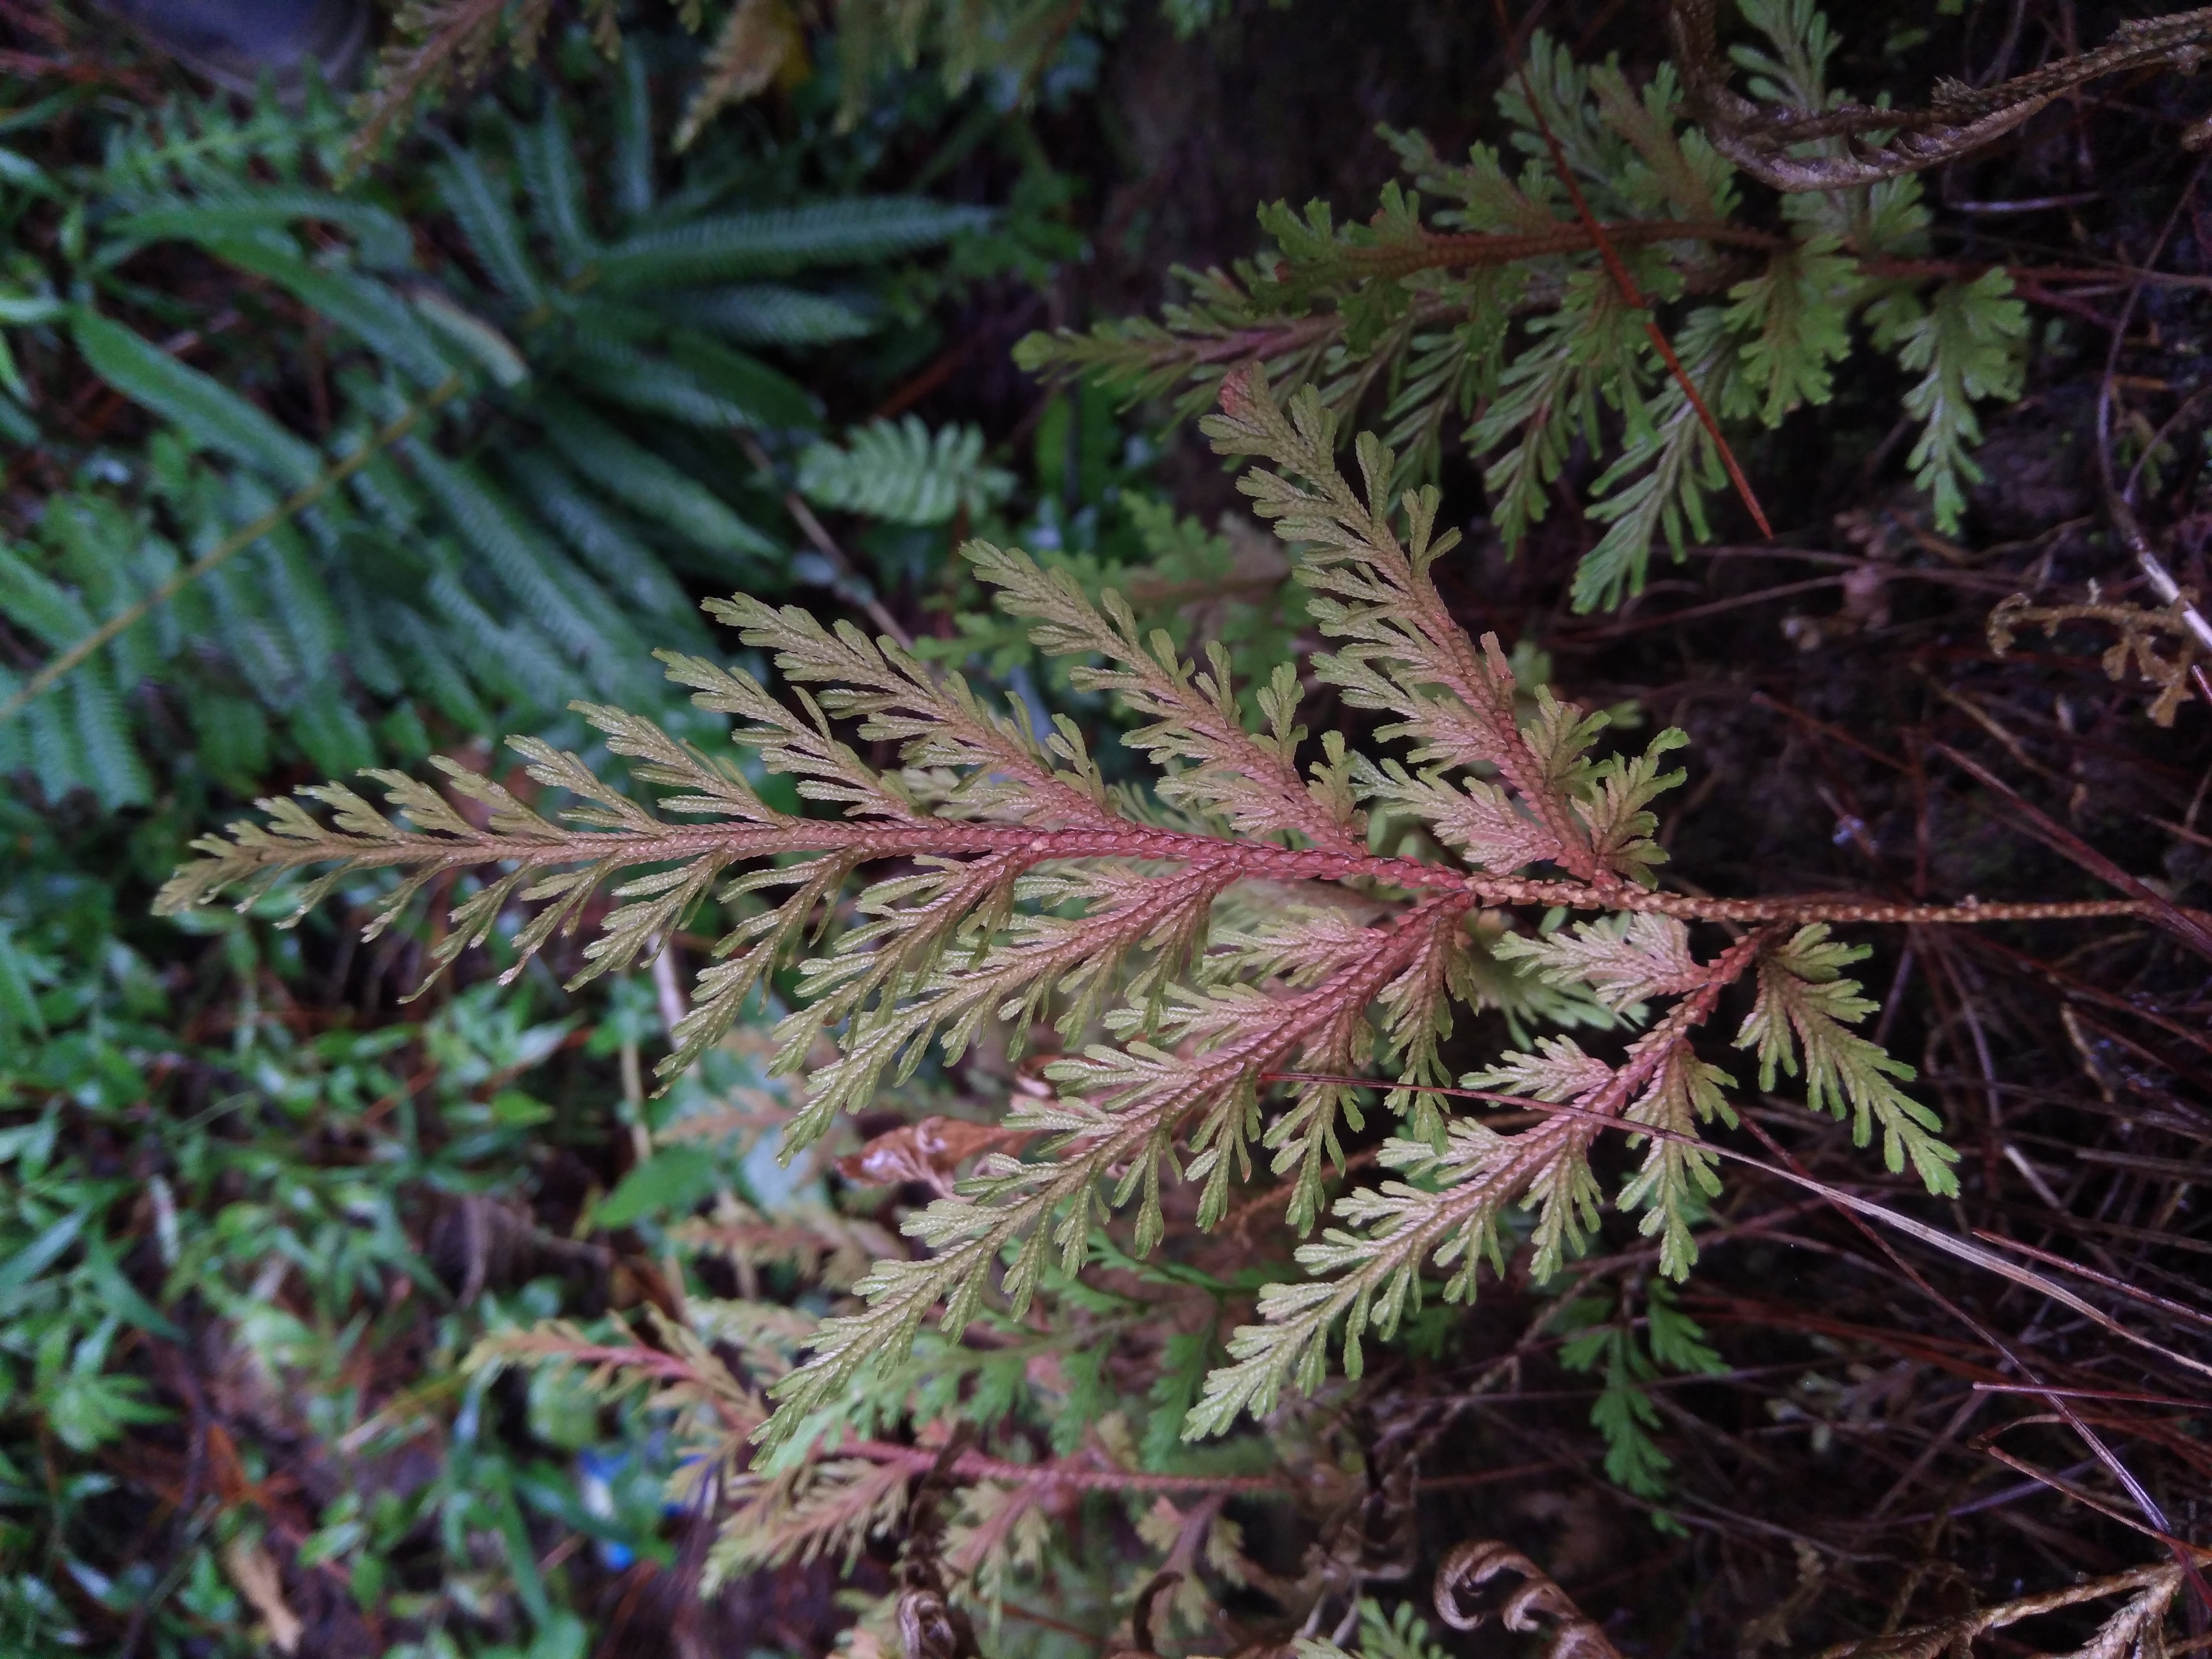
[1965,344]
[1805,1004]
[1022,892]
[903,473]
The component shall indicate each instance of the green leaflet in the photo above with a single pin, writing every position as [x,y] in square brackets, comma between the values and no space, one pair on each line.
[560,599]
[546,155]
[1969,341]
[631,176]
[1624,1412]
[767,313]
[486,215]
[615,554]
[647,484]
[32,600]
[215,416]
[1794,316]
[17,1271]
[711,387]
[380,240]
[774,242]
[1805,1004]
[664,1186]
[899,471]
[1659,483]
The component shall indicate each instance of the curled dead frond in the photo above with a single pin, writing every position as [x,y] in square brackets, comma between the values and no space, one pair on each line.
[1465,1600]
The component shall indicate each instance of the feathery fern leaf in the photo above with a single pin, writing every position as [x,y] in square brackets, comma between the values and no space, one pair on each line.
[1497,314]
[900,472]
[1024,890]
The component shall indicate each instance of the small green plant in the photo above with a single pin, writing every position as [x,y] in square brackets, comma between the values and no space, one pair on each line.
[1485,300]
[757,44]
[902,473]
[1608,1346]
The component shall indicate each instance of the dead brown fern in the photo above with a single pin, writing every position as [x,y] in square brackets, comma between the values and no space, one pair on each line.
[2140,632]
[2136,1630]
[1537,1605]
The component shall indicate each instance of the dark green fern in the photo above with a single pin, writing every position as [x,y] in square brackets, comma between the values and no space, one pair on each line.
[528,427]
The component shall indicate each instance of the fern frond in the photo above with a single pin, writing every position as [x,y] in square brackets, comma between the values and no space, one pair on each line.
[1453,1221]
[902,473]
[1658,485]
[1796,309]
[1678,1176]
[557,596]
[1195,730]
[1624,960]
[1403,648]
[1966,344]
[830,1507]
[1588,354]
[1187,944]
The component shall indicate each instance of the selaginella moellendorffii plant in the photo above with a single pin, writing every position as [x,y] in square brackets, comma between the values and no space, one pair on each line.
[1233,956]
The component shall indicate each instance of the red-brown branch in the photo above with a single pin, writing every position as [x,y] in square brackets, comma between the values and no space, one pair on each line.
[873,840]
[1631,294]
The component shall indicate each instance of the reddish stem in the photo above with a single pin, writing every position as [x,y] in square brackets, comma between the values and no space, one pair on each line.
[1632,295]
